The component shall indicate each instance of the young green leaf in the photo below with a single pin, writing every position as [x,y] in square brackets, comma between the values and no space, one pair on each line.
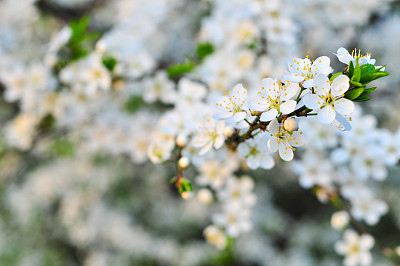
[354,93]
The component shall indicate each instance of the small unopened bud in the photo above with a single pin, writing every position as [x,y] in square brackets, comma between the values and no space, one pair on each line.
[205,196]
[186,195]
[181,140]
[340,219]
[183,162]
[228,131]
[255,113]
[397,251]
[291,124]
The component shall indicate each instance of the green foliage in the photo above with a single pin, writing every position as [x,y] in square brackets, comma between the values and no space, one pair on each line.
[133,104]
[185,185]
[179,70]
[80,43]
[370,73]
[356,73]
[62,148]
[204,49]
[109,62]
[360,76]
[354,93]
[47,123]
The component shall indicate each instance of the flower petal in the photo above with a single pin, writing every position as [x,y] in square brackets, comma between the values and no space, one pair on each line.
[344,106]
[243,149]
[285,151]
[252,162]
[327,114]
[267,162]
[269,115]
[273,144]
[341,123]
[298,139]
[273,127]
[321,85]
[288,107]
[322,65]
[312,101]
[258,104]
[308,83]
[343,55]
[222,115]
[219,141]
[340,85]
[238,117]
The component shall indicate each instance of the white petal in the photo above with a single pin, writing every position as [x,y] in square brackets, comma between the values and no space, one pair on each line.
[321,85]
[344,106]
[322,65]
[273,127]
[367,241]
[298,139]
[308,83]
[223,115]
[267,162]
[289,91]
[343,55]
[340,85]
[205,149]
[239,94]
[341,123]
[220,127]
[285,151]
[327,114]
[258,104]
[252,162]
[219,141]
[243,149]
[269,115]
[312,101]
[288,107]
[238,116]
[223,103]
[273,144]
[267,83]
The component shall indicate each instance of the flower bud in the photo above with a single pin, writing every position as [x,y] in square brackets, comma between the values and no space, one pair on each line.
[205,196]
[291,124]
[228,131]
[397,251]
[183,162]
[181,140]
[186,195]
[340,219]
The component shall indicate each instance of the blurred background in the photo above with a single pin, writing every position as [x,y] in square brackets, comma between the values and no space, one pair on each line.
[83,84]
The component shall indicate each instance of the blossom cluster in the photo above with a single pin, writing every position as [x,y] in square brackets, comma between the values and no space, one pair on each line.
[217,91]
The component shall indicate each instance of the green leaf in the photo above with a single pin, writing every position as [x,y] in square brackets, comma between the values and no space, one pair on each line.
[78,30]
[367,68]
[356,84]
[370,90]
[185,185]
[109,62]
[204,49]
[133,104]
[354,93]
[362,98]
[62,148]
[335,75]
[351,69]
[178,70]
[370,76]
[357,73]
